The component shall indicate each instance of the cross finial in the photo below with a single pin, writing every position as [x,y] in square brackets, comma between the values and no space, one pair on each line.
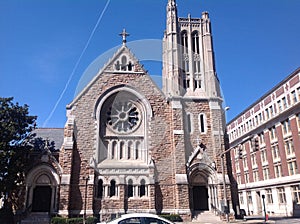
[124,34]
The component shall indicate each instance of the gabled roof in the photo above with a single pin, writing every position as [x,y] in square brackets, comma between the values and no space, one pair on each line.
[110,67]
[52,134]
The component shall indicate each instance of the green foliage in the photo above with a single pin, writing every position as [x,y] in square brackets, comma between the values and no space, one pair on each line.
[172,217]
[15,135]
[61,220]
[91,220]
[58,220]
[40,144]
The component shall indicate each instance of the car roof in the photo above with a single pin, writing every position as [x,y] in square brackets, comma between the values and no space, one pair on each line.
[136,215]
[139,215]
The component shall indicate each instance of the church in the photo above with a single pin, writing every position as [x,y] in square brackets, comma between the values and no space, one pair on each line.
[129,146]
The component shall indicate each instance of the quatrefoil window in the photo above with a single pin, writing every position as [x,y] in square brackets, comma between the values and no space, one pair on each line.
[123,117]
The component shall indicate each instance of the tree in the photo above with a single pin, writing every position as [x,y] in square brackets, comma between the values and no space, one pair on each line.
[16,127]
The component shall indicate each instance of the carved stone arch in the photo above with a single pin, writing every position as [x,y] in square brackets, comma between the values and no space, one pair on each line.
[115,178]
[43,179]
[109,131]
[133,178]
[118,88]
[145,178]
[205,169]
[40,170]
[202,179]
[42,188]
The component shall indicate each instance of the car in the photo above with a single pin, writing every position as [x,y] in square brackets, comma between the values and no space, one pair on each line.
[139,218]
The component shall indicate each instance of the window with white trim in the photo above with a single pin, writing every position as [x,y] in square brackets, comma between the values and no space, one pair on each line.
[292,166]
[289,147]
[281,195]
[269,196]
[296,193]
[277,170]
[241,198]
[273,135]
[263,154]
[279,105]
[247,179]
[275,152]
[284,102]
[249,197]
[266,173]
[286,126]
[261,138]
[255,175]
[294,96]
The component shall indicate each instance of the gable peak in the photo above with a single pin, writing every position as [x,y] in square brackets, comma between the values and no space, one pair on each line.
[124,61]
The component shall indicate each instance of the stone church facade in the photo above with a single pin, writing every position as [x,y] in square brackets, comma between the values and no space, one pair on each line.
[131,147]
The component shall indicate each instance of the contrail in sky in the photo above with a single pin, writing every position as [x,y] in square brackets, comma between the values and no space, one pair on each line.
[76,65]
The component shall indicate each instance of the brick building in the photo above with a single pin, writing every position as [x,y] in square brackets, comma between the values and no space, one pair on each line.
[132,147]
[265,150]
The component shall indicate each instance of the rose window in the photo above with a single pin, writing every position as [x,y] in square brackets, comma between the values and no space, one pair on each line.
[123,117]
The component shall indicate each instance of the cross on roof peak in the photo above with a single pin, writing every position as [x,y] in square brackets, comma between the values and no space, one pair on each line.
[124,34]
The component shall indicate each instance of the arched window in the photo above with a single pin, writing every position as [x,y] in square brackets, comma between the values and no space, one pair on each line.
[202,123]
[117,65]
[112,188]
[129,150]
[130,189]
[137,149]
[185,59]
[197,82]
[195,42]
[184,42]
[124,63]
[143,188]
[129,66]
[122,149]
[197,66]
[113,149]
[122,126]
[100,189]
[189,122]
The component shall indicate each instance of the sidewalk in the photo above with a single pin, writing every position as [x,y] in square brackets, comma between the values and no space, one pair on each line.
[253,219]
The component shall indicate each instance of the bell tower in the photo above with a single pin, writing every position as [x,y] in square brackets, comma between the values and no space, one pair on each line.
[172,81]
[192,88]
[188,56]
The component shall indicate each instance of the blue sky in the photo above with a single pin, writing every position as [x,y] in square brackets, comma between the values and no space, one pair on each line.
[256,44]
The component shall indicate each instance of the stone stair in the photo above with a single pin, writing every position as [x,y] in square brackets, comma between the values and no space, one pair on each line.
[37,218]
[206,217]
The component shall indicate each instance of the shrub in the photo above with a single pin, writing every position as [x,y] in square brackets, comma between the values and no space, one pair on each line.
[58,220]
[61,220]
[74,220]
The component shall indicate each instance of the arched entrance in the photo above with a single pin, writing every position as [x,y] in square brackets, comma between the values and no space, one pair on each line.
[199,192]
[41,201]
[42,193]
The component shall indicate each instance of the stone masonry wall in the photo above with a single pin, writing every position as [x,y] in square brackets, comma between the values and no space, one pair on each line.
[159,134]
